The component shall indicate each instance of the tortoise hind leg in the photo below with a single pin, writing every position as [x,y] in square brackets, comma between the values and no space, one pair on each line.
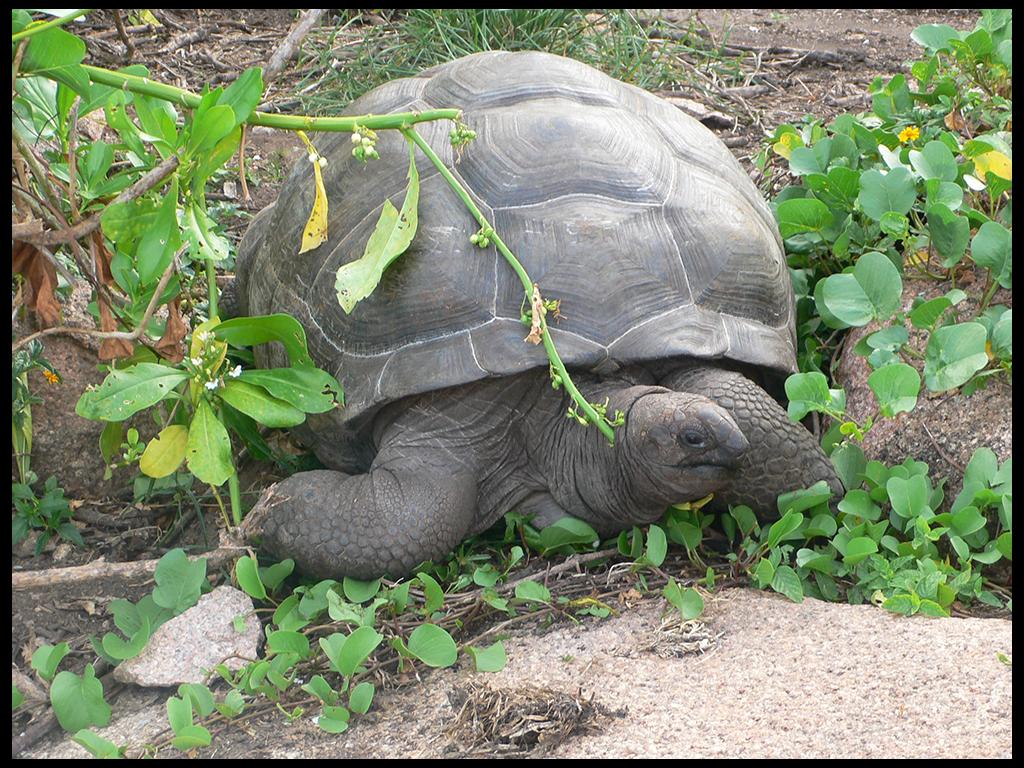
[385,522]
[783,456]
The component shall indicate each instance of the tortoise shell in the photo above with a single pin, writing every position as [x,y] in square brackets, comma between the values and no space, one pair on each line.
[632,214]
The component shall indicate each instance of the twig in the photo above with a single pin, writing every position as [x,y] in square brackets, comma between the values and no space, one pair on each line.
[289,47]
[181,41]
[126,335]
[101,570]
[119,23]
[16,65]
[942,453]
[90,225]
[241,163]
[73,159]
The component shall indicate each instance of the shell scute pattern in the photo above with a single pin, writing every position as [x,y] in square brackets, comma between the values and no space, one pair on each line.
[632,214]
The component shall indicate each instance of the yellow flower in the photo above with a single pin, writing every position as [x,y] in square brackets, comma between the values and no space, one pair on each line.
[910,133]
[51,377]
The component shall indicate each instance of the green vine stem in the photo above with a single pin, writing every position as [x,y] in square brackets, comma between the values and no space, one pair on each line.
[235,498]
[188,99]
[211,282]
[556,362]
[34,29]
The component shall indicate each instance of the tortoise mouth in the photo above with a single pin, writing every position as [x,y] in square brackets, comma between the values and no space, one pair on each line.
[707,467]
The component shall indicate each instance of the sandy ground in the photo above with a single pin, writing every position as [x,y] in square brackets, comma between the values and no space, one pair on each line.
[785,680]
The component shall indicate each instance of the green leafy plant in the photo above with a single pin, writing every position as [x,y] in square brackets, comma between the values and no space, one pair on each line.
[50,514]
[886,542]
[23,361]
[901,189]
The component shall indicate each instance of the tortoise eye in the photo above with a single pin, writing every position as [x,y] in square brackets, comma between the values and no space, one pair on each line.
[691,438]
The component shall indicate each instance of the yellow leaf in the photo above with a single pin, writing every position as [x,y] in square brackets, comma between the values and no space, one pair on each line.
[165,452]
[315,232]
[786,143]
[994,162]
[918,257]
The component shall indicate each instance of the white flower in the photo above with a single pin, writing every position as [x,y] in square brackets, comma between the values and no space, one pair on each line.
[323,162]
[312,157]
[211,385]
[235,372]
[196,361]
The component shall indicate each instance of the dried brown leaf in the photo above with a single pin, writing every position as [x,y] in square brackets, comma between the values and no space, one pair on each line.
[30,262]
[170,346]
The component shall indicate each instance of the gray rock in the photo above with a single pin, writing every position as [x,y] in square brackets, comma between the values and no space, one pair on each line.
[185,648]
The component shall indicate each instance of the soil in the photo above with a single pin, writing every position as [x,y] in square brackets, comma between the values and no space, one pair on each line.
[780,679]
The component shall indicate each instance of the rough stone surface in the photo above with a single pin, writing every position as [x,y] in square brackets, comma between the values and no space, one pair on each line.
[789,680]
[185,648]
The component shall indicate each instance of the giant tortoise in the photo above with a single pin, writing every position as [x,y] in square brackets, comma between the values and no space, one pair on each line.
[676,308]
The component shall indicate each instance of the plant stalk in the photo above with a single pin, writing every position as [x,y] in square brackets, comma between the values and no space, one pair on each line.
[190,100]
[556,362]
[36,29]
[211,282]
[236,499]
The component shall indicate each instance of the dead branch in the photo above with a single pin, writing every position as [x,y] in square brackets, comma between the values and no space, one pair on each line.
[97,570]
[90,225]
[287,50]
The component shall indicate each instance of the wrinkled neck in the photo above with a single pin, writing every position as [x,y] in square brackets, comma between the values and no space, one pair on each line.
[606,485]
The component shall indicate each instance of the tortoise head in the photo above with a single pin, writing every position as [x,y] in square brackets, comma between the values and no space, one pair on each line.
[681,446]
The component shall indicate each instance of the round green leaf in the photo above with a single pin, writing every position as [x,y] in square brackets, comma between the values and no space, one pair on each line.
[934,37]
[949,232]
[78,701]
[360,591]
[802,215]
[333,719]
[433,646]
[858,503]
[894,191]
[787,582]
[691,604]
[810,392]
[356,649]
[858,549]
[881,282]
[248,577]
[489,659]
[361,697]
[288,641]
[992,248]
[657,545]
[953,355]
[908,496]
[935,161]
[531,591]
[566,531]
[842,296]
[896,387]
